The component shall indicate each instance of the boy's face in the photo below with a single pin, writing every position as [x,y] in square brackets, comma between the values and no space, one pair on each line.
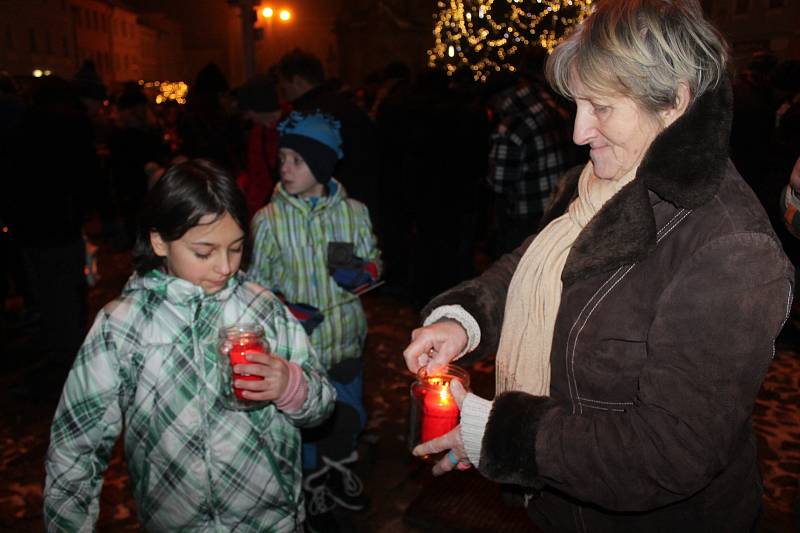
[206,255]
[296,177]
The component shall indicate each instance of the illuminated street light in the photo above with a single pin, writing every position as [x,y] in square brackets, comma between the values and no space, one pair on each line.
[267,12]
[285,15]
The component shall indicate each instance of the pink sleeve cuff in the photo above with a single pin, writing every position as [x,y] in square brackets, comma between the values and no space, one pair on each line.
[296,391]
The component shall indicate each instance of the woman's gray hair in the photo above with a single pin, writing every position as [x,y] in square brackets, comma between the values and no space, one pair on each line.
[642,49]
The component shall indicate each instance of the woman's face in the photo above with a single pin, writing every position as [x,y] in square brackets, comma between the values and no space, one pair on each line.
[616,129]
[206,255]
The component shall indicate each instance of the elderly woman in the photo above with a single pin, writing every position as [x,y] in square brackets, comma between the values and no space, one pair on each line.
[633,332]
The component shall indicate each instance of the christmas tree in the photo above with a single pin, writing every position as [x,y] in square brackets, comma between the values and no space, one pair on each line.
[484,35]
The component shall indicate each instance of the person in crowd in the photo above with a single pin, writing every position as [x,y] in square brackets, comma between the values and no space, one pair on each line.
[208,128]
[530,150]
[754,109]
[301,78]
[50,161]
[441,163]
[786,79]
[12,109]
[632,333]
[150,365]
[257,100]
[134,145]
[315,246]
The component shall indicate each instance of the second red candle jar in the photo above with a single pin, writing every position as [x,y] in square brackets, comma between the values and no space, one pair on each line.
[434,411]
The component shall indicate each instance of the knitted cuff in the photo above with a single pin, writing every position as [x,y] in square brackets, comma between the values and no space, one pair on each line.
[462,316]
[296,391]
[474,416]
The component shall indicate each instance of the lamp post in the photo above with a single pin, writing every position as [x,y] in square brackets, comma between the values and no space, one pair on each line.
[248,37]
[270,14]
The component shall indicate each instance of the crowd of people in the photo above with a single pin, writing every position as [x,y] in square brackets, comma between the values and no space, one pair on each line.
[630,259]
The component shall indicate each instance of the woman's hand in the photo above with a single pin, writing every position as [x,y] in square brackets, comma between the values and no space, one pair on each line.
[273,369]
[456,458]
[434,346]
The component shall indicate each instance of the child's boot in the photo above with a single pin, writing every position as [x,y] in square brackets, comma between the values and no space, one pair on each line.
[319,503]
[344,486]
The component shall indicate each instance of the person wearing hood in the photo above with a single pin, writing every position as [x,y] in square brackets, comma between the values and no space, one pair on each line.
[315,246]
[152,367]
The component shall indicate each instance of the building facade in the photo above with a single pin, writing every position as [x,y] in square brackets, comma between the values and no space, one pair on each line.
[43,37]
[36,36]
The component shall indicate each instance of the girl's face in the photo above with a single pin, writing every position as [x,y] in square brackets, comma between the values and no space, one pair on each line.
[296,177]
[206,255]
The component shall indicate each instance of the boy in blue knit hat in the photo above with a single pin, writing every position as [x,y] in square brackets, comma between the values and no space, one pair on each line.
[315,245]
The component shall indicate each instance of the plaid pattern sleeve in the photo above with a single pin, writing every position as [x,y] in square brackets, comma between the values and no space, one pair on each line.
[528,153]
[366,245]
[87,422]
[265,259]
[297,349]
[790,206]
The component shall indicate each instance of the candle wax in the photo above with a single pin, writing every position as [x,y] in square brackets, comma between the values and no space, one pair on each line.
[237,357]
[439,413]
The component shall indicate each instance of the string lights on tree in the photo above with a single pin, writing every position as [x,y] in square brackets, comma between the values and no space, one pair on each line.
[483,35]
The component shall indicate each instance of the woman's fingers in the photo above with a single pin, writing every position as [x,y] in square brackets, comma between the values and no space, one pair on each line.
[420,345]
[456,456]
[458,391]
[435,346]
[451,439]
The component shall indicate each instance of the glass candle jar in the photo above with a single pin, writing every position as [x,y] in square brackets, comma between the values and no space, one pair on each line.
[235,342]
[434,411]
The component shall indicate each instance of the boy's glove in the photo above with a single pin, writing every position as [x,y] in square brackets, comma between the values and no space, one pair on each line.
[349,271]
[309,316]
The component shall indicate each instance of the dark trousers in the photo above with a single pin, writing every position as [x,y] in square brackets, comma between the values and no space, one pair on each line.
[336,438]
[58,285]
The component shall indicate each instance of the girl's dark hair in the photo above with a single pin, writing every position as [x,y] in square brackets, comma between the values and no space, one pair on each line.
[186,193]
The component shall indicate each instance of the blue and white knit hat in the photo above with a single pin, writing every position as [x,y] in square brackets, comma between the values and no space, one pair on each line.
[317,138]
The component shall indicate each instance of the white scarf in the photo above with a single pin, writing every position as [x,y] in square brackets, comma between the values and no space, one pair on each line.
[534,295]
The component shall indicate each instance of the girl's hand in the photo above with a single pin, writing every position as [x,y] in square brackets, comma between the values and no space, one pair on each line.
[273,369]
[456,458]
[434,346]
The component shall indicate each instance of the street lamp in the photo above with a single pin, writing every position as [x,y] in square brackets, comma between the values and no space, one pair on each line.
[284,14]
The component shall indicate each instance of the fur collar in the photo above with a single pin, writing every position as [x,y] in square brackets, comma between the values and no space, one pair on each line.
[684,165]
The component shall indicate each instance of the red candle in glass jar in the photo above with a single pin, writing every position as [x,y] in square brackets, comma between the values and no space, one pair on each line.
[440,412]
[237,355]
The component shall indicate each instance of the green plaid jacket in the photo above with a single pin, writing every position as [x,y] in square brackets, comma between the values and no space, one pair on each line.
[290,246]
[150,365]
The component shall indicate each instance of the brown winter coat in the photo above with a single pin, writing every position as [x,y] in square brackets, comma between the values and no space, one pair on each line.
[672,298]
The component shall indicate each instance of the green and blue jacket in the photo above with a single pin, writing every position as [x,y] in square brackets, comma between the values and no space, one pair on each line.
[150,367]
[290,245]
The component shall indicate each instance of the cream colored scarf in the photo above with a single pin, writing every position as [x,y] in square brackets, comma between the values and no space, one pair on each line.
[534,295]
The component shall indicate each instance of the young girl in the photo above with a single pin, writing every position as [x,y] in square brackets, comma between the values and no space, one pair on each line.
[150,364]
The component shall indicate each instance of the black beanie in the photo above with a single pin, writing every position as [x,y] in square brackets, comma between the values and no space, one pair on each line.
[317,138]
[319,157]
